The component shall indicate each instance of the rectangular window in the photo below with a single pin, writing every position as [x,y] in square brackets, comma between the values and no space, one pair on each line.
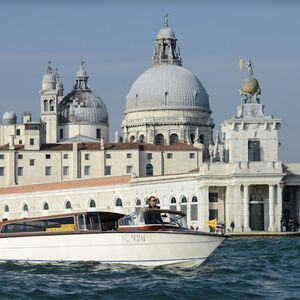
[18,132]
[1,156]
[48,156]
[20,156]
[192,155]
[87,156]
[31,141]
[107,170]
[129,155]
[20,171]
[48,171]
[20,142]
[66,156]
[107,155]
[149,155]
[1,171]
[61,133]
[87,170]
[129,169]
[213,214]
[98,133]
[65,171]
[31,162]
[213,197]
[169,155]
[254,151]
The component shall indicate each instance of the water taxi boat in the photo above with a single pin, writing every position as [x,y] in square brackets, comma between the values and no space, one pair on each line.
[149,237]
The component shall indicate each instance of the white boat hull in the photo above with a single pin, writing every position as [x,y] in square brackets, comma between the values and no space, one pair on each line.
[137,248]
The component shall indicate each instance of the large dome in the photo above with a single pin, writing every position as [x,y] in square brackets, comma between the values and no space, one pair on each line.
[169,86]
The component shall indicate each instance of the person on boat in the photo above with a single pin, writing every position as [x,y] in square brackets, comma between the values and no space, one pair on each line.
[151,217]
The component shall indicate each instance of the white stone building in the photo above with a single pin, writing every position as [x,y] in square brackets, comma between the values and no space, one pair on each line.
[66,162]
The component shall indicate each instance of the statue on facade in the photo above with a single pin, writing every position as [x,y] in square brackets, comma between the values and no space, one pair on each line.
[197,135]
[211,150]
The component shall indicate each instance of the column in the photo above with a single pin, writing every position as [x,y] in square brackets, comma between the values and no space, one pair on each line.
[271,208]
[279,208]
[228,207]
[237,208]
[204,209]
[246,208]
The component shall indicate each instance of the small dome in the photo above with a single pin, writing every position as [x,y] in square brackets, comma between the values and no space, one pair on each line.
[166,33]
[250,85]
[49,78]
[167,86]
[9,118]
[81,106]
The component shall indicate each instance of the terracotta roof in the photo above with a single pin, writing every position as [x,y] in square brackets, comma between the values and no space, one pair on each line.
[110,146]
[175,147]
[73,184]
[6,147]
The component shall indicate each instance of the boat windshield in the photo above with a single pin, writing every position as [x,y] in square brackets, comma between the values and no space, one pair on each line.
[154,216]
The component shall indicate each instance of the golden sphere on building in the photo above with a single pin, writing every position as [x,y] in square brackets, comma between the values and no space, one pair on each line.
[250,85]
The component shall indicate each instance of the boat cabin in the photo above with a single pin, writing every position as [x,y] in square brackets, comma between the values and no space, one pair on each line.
[76,222]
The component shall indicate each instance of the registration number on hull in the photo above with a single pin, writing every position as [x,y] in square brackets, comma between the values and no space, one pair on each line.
[133,238]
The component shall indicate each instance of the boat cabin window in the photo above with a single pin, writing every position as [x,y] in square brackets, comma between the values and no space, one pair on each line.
[154,217]
[55,224]
[89,222]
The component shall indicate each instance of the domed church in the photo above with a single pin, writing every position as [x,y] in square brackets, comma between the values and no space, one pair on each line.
[167,103]
[79,116]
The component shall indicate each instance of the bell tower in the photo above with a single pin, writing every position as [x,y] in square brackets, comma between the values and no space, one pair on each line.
[51,93]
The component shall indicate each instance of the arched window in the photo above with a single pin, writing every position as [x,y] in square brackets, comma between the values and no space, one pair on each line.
[173,205]
[119,202]
[192,137]
[149,170]
[183,206]
[6,208]
[51,105]
[157,201]
[142,138]
[194,209]
[138,202]
[173,138]
[132,138]
[46,206]
[183,200]
[25,207]
[159,139]
[68,205]
[46,105]
[92,203]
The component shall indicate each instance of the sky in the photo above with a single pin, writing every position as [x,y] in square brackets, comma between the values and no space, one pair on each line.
[116,40]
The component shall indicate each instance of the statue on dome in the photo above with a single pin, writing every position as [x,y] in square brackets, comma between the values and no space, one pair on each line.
[250,87]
